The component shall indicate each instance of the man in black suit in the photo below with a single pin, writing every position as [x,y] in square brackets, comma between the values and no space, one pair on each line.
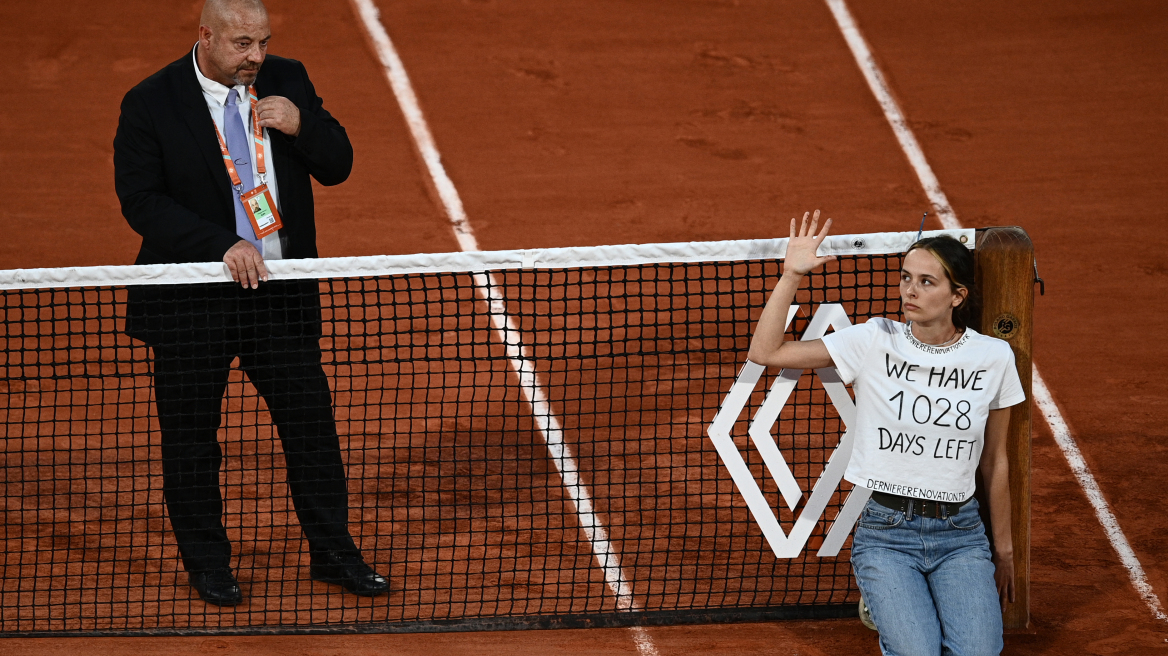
[177,191]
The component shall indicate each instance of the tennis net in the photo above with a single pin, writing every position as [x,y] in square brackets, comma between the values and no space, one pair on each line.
[524,435]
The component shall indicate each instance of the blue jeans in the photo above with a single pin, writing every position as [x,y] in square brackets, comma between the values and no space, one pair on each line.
[929,583]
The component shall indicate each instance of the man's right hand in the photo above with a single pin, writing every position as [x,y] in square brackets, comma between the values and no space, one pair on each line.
[246,265]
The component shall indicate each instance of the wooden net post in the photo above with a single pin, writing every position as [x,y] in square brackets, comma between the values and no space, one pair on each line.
[1005,280]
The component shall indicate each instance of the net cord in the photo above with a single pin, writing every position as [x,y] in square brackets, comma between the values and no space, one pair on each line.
[882,243]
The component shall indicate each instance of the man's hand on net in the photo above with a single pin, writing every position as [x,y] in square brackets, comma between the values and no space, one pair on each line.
[246,265]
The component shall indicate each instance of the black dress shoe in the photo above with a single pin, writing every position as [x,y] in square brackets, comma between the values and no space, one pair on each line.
[348,571]
[216,586]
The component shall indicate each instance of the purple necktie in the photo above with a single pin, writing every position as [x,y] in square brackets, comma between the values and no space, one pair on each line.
[238,147]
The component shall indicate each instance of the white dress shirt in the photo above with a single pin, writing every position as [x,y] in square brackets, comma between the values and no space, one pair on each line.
[216,96]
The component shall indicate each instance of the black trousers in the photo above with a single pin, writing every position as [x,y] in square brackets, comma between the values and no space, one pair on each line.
[189,383]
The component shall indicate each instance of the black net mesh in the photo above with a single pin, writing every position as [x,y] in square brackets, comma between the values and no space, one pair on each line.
[454,492]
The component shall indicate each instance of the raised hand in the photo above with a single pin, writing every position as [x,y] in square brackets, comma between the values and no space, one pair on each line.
[769,346]
[803,245]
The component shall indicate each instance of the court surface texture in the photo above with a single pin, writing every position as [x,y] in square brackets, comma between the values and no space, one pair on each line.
[566,124]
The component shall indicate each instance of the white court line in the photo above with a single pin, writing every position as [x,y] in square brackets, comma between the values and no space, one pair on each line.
[1042,396]
[900,127]
[506,328]
[1062,435]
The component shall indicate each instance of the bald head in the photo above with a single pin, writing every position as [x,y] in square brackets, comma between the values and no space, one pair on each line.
[218,14]
[233,40]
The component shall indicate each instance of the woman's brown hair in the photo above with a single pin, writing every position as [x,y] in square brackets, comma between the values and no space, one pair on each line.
[958,263]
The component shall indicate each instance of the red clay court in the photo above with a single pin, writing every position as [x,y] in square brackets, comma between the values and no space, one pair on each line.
[580,124]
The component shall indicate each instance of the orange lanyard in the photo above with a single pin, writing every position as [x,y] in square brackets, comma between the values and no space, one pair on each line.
[257,135]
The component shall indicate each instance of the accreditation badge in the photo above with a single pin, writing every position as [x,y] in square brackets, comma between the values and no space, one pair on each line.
[261,211]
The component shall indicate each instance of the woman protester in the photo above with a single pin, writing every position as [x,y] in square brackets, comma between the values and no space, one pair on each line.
[933,402]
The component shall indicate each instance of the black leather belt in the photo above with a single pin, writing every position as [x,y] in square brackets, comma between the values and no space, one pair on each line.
[923,507]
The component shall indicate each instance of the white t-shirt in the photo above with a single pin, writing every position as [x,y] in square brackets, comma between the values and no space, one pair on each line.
[921,410]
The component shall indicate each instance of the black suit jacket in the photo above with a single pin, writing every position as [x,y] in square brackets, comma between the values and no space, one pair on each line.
[175,193]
